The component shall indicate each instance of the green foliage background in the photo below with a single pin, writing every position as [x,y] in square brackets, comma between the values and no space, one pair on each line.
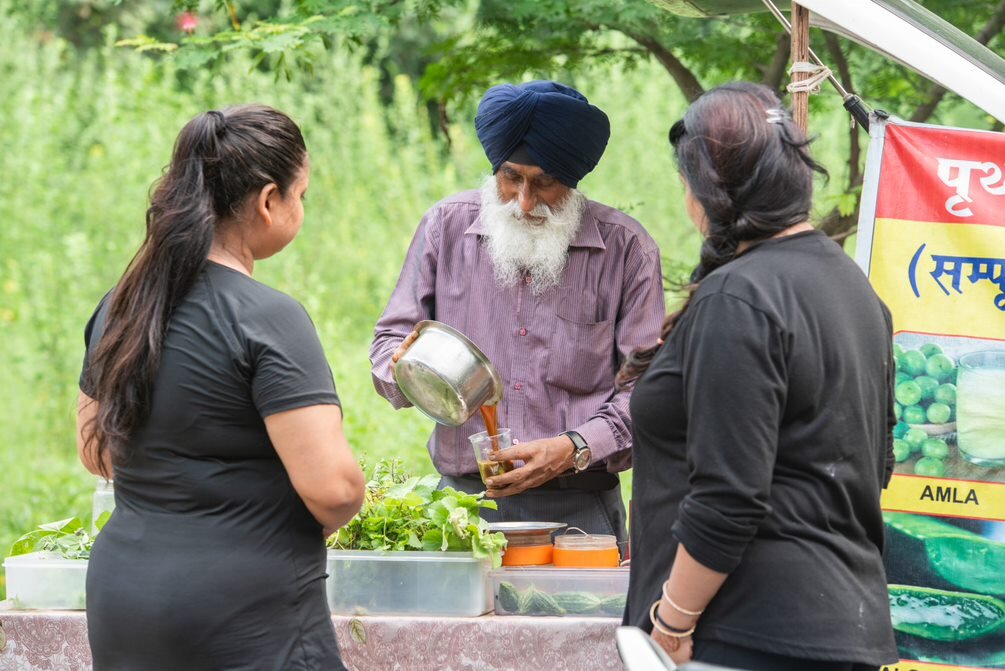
[85,132]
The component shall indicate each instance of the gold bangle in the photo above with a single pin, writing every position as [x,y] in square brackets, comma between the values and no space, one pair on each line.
[663,630]
[683,611]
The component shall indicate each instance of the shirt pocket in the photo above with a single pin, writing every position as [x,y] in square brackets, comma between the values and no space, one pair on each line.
[580,359]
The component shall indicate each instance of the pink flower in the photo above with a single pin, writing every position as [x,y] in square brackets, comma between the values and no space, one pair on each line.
[187,22]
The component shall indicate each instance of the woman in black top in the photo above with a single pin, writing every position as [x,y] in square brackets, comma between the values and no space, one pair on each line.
[208,396]
[762,423]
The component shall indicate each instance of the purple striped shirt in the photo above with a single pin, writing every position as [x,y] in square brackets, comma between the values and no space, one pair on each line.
[557,353]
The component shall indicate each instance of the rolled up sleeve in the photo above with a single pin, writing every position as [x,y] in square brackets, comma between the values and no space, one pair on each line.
[735,384]
[640,320]
[412,301]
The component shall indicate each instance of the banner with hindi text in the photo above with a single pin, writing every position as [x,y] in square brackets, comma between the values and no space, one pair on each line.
[932,241]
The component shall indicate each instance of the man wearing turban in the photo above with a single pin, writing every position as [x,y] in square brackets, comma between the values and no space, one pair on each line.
[555,289]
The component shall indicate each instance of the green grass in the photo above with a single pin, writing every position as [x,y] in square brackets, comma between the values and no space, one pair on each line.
[84,139]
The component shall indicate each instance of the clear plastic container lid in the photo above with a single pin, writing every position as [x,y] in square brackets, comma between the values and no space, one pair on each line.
[584,541]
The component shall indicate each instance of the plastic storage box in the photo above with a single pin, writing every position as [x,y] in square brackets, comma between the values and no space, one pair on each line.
[408,583]
[44,580]
[560,591]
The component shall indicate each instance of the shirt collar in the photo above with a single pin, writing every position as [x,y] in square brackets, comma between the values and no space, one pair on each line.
[588,234]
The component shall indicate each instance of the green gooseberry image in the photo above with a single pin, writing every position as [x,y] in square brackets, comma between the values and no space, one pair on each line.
[908,393]
[915,438]
[915,414]
[941,367]
[928,386]
[898,410]
[901,450]
[902,377]
[913,362]
[936,448]
[930,468]
[945,393]
[930,348]
[897,349]
[939,413]
[900,429]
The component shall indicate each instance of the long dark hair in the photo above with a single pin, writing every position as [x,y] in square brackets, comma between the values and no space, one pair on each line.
[748,165]
[220,158]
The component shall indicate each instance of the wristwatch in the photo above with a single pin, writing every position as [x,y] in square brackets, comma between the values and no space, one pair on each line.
[581,455]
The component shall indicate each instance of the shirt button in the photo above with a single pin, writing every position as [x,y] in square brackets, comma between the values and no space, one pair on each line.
[518,386]
[529,279]
[523,332]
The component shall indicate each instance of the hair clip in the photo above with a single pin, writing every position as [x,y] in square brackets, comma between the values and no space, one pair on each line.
[775,115]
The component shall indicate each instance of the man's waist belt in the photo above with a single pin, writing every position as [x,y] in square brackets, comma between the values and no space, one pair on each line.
[588,481]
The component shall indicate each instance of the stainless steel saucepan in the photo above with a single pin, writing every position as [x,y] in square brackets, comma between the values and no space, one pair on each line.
[446,376]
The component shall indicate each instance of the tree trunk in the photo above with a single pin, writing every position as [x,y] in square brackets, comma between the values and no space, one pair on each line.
[775,72]
[686,80]
[835,225]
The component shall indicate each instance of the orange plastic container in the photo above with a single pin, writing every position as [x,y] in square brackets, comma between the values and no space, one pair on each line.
[586,551]
[529,555]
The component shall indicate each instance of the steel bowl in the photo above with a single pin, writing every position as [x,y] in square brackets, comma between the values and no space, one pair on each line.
[446,376]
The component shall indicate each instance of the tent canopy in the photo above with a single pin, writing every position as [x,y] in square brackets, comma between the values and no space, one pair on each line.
[900,30]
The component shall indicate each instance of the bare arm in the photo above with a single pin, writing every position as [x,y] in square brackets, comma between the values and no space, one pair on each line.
[691,586]
[314,450]
[87,411]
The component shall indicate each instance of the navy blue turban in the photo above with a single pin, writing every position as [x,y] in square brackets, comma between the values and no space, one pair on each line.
[562,131]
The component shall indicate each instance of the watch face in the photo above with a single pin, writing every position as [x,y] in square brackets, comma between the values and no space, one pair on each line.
[582,459]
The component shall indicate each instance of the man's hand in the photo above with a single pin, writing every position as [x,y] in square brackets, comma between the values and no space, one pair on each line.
[543,460]
[403,347]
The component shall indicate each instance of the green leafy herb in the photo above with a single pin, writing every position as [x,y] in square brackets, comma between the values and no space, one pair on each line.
[402,513]
[68,538]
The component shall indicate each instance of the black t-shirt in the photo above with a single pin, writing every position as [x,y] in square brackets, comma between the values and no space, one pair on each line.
[211,560]
[761,440]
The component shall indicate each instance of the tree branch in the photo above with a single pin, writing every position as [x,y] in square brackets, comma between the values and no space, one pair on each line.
[686,80]
[935,92]
[839,227]
[775,70]
[855,146]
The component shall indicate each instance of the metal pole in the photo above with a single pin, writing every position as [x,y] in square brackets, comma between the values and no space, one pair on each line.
[800,54]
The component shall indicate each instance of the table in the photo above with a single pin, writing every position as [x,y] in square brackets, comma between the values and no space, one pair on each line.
[57,641]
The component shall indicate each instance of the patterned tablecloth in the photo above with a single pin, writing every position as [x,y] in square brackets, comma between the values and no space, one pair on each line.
[57,641]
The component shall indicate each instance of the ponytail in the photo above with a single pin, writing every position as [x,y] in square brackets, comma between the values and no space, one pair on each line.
[219,158]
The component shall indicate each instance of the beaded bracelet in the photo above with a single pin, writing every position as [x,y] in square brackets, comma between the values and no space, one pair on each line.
[683,611]
[664,628]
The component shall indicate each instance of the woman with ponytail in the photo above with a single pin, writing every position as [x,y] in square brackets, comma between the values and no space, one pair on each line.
[762,420]
[207,396]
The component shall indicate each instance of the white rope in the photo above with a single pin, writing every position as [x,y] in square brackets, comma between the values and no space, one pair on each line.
[818,75]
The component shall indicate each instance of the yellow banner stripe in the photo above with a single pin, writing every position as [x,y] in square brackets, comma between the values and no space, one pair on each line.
[910,665]
[946,498]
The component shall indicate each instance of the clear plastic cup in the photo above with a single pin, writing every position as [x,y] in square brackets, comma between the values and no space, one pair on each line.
[484,445]
[980,410]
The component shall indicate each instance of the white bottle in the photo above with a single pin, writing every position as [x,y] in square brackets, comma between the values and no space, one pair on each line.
[104,500]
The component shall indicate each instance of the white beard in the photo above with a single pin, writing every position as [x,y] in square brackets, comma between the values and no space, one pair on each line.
[518,245]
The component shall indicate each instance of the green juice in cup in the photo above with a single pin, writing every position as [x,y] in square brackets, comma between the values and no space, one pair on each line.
[980,412]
